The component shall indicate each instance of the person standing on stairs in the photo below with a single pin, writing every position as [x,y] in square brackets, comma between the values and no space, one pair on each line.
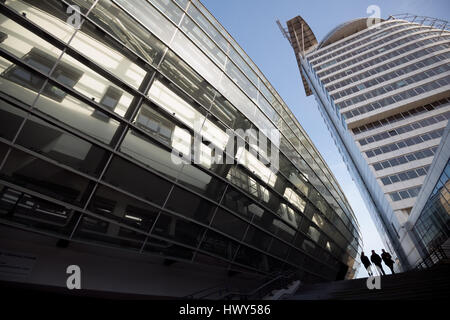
[387,259]
[366,262]
[376,260]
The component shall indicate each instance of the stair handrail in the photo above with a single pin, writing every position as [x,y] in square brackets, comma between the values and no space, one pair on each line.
[428,261]
[224,292]
[259,292]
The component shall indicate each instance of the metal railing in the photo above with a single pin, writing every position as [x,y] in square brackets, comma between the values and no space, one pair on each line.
[433,258]
[270,283]
[423,20]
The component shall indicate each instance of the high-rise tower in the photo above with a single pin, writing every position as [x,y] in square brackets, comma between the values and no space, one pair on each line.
[384,91]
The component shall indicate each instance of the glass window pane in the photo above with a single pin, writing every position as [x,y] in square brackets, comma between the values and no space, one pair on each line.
[178,229]
[150,154]
[195,58]
[74,74]
[208,28]
[27,46]
[93,229]
[122,208]
[171,100]
[158,125]
[51,15]
[229,224]
[150,17]
[257,238]
[10,120]
[41,176]
[77,114]
[218,244]
[169,9]
[201,182]
[41,137]
[251,258]
[279,249]
[201,39]
[34,212]
[187,79]
[114,20]
[133,179]
[18,82]
[95,46]
[167,249]
[190,205]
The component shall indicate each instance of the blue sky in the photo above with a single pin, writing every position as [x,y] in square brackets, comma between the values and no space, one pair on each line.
[252,24]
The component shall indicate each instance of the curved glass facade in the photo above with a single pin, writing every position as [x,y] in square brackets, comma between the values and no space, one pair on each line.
[142,125]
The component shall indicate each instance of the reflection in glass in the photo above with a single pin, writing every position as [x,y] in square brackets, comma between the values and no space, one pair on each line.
[190,205]
[18,82]
[229,224]
[41,137]
[122,209]
[108,233]
[51,15]
[187,79]
[148,153]
[31,211]
[137,181]
[150,17]
[10,120]
[170,101]
[200,38]
[43,177]
[218,244]
[78,115]
[124,28]
[95,46]
[179,230]
[92,85]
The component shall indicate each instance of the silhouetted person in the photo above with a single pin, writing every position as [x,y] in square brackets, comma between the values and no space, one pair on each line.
[387,259]
[376,260]
[366,263]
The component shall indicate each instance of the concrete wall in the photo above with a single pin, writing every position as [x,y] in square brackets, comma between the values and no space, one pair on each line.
[108,269]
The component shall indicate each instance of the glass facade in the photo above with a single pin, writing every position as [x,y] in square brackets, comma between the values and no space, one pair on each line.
[433,226]
[93,114]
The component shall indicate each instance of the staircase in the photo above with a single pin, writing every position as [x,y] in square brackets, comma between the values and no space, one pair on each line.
[431,283]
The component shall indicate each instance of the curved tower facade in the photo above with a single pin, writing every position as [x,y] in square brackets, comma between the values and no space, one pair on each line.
[143,126]
[384,91]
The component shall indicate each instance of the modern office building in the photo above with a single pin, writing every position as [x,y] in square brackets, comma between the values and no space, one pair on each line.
[383,88]
[429,221]
[133,144]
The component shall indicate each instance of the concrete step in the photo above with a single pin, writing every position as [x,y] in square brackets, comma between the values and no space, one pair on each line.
[425,284]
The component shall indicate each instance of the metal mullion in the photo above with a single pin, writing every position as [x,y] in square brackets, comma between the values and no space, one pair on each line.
[45,158]
[150,231]
[97,179]
[67,205]
[161,59]
[260,201]
[250,100]
[85,211]
[73,52]
[246,168]
[46,77]
[117,143]
[31,26]
[228,41]
[209,224]
[65,88]
[223,68]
